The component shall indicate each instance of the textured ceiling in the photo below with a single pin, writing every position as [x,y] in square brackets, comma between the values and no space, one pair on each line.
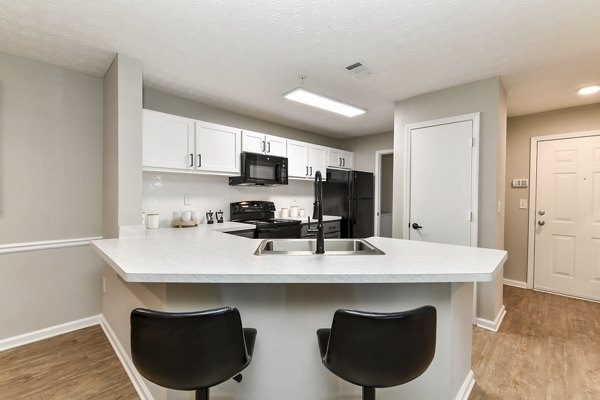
[243,55]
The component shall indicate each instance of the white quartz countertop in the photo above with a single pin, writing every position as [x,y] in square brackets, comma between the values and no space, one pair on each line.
[207,254]
[326,218]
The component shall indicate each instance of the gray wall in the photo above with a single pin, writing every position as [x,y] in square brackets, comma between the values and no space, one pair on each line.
[489,98]
[520,131]
[51,189]
[122,146]
[364,148]
[164,102]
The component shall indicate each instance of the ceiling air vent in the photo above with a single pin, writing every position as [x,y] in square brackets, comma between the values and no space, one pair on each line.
[358,70]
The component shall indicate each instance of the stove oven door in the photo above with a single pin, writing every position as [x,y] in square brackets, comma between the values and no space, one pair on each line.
[279,232]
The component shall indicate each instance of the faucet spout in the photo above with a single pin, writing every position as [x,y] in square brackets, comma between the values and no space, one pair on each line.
[318,213]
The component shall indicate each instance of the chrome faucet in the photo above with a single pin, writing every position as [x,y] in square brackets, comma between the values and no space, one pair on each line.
[318,213]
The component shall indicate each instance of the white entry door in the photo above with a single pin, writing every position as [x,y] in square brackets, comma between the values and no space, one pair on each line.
[442,175]
[567,230]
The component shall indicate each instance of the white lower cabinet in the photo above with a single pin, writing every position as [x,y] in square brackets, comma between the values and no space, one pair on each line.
[177,144]
[305,159]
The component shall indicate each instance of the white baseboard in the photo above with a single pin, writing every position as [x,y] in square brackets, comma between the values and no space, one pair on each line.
[492,325]
[519,284]
[134,376]
[49,332]
[465,390]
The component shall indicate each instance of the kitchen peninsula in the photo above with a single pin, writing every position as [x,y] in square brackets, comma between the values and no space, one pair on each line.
[287,298]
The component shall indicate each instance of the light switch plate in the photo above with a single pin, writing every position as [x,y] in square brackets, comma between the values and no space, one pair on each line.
[187,199]
[523,203]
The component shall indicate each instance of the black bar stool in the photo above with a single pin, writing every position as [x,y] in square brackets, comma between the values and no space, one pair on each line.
[378,350]
[190,350]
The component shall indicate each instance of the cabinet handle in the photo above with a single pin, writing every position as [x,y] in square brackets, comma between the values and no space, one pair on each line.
[310,171]
[307,170]
[268,147]
[343,162]
[339,161]
[262,145]
[191,160]
[199,160]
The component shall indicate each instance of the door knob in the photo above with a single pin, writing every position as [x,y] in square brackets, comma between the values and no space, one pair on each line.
[541,223]
[541,212]
[416,226]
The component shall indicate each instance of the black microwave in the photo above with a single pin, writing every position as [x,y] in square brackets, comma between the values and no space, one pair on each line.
[261,169]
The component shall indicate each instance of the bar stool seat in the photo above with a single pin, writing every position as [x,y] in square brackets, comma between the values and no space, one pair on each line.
[190,350]
[379,350]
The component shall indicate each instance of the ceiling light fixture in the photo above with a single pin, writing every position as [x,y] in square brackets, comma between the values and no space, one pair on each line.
[589,90]
[313,99]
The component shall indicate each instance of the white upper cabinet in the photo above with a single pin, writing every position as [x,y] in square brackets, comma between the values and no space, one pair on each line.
[317,160]
[340,159]
[305,159]
[179,144]
[297,153]
[256,142]
[168,141]
[217,148]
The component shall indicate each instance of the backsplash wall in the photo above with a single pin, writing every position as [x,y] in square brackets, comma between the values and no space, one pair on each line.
[164,192]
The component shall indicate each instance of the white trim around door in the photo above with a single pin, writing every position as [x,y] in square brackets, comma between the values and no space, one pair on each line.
[533,190]
[377,193]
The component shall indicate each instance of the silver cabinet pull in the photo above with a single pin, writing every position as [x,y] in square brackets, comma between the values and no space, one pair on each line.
[268,147]
[343,162]
[310,171]
[541,223]
[191,160]
[263,146]
[340,162]
[199,160]
[307,170]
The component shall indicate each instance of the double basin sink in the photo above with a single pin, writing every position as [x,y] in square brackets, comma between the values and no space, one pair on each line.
[306,247]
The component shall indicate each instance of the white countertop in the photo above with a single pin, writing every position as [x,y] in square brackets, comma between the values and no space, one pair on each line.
[207,254]
[326,218]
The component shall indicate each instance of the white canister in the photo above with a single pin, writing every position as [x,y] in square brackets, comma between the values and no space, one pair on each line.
[186,216]
[176,215]
[152,221]
[285,213]
[301,212]
[293,211]
[195,216]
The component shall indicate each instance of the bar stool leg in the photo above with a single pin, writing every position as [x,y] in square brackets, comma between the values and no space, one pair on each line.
[202,394]
[368,393]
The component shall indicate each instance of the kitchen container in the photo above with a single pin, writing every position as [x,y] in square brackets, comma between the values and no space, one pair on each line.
[152,221]
[293,211]
[285,213]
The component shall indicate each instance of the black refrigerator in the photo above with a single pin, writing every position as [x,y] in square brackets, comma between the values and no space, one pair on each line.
[349,194]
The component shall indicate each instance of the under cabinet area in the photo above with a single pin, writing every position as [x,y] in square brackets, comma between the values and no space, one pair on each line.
[179,144]
[256,142]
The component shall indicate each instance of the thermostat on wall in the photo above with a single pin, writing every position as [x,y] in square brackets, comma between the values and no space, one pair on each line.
[520,183]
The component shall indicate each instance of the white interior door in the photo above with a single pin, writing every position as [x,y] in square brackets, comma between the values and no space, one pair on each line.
[442,173]
[567,230]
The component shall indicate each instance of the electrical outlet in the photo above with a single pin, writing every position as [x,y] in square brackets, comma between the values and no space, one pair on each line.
[187,199]
[523,203]
[103,285]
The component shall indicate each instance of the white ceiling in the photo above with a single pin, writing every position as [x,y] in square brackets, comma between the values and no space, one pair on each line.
[243,55]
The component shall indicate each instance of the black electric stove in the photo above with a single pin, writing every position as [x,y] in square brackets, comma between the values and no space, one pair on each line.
[261,214]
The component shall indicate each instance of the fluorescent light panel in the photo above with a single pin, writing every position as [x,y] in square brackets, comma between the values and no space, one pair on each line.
[325,103]
[589,90]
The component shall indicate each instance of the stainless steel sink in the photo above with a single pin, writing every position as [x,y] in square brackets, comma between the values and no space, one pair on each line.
[306,247]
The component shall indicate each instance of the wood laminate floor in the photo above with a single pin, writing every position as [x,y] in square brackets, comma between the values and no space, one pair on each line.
[75,366]
[547,348]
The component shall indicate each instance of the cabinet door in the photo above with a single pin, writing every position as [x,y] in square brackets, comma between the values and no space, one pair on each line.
[217,148]
[335,158]
[253,142]
[297,153]
[276,146]
[347,159]
[317,160]
[167,141]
